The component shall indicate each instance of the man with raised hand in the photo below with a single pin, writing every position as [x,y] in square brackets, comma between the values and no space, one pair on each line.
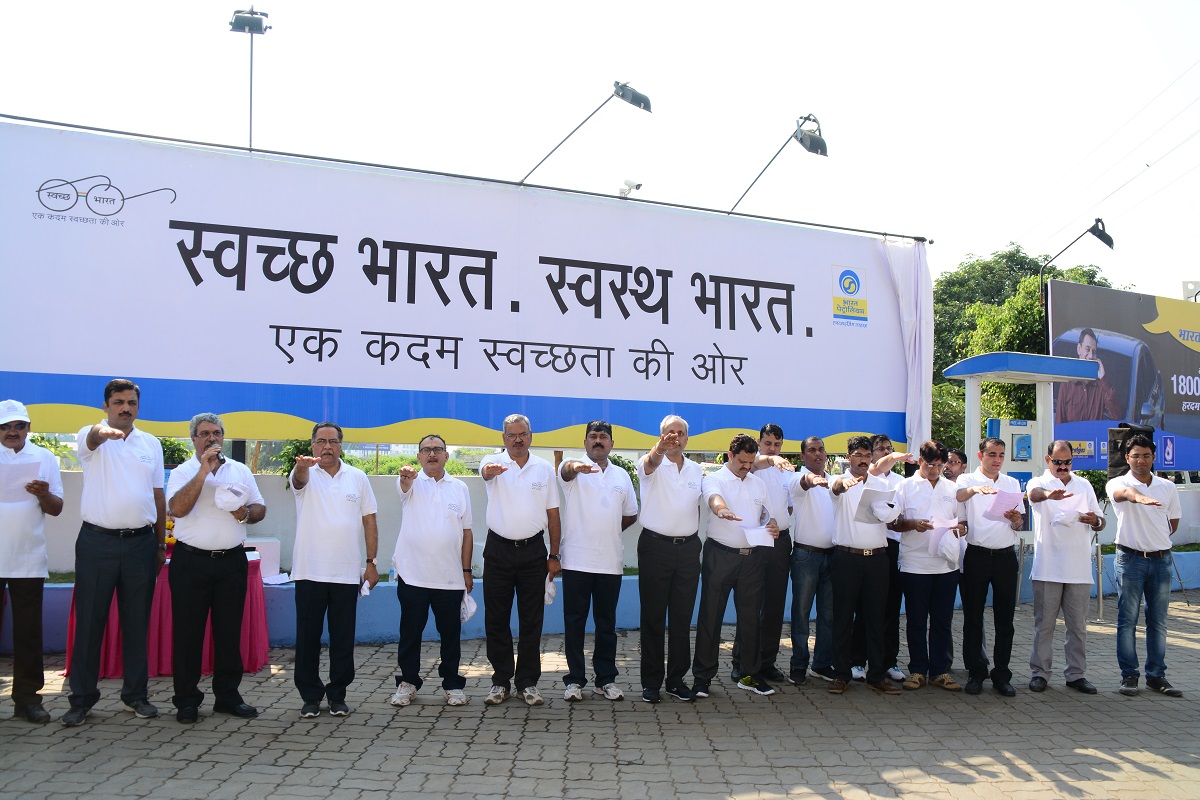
[522,509]
[990,562]
[599,503]
[668,560]
[433,568]
[812,566]
[1065,515]
[1148,512]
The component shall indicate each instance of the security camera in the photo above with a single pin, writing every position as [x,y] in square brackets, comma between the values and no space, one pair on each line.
[629,187]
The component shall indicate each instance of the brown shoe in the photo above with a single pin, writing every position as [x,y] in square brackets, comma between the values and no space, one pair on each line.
[915,681]
[885,686]
[946,681]
[838,686]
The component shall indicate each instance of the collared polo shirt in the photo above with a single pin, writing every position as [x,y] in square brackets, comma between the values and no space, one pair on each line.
[23,523]
[519,498]
[119,479]
[671,497]
[429,548]
[329,525]
[814,513]
[206,526]
[593,505]
[1145,528]
[981,531]
[1062,553]
[746,498]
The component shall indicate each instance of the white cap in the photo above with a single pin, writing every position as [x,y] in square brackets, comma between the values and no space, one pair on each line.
[12,411]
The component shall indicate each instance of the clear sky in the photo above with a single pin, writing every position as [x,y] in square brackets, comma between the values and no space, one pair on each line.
[971,124]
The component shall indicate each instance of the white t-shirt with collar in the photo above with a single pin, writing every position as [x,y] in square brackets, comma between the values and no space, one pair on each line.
[814,513]
[519,498]
[329,526]
[849,532]
[1062,553]
[1141,527]
[671,497]
[981,531]
[745,497]
[894,479]
[429,548]
[22,523]
[781,485]
[594,503]
[119,479]
[206,526]
[917,498]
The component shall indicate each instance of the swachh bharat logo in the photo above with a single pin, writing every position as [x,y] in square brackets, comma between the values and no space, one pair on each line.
[849,298]
[101,197]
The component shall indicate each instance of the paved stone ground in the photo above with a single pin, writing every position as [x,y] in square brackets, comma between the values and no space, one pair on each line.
[802,742]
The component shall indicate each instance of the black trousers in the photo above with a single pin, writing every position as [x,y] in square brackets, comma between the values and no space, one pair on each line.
[891,616]
[599,593]
[983,567]
[668,576]
[723,571]
[25,596]
[777,569]
[415,604]
[860,589]
[521,571]
[316,600]
[200,585]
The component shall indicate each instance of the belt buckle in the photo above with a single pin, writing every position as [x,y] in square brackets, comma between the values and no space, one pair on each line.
[678,539]
[745,551]
[216,553]
[868,552]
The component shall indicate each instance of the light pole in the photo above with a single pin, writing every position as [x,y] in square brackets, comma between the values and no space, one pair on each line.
[1096,230]
[251,22]
[812,141]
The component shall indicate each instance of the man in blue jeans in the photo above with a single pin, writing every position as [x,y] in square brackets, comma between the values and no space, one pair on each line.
[1147,509]
[812,566]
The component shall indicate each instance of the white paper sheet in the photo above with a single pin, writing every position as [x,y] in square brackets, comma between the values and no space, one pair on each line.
[869,497]
[276,580]
[1002,503]
[13,478]
[759,536]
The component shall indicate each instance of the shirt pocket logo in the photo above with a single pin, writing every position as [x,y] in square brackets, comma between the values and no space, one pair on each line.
[352,497]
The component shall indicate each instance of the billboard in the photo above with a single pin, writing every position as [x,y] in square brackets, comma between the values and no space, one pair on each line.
[1149,353]
[279,291]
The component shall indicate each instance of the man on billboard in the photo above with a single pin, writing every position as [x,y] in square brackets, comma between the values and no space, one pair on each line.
[1080,401]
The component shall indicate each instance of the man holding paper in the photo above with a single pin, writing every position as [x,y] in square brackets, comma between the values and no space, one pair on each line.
[30,488]
[212,500]
[993,503]
[862,505]
[812,565]
[929,531]
[740,535]
[1065,515]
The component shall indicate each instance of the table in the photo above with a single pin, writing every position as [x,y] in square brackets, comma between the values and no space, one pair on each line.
[254,631]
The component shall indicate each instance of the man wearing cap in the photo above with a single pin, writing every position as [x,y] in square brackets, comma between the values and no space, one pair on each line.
[120,548]
[599,505]
[212,500]
[36,491]
[335,510]
[522,508]
[433,568]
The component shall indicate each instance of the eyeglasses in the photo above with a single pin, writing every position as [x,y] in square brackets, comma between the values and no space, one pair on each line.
[515,436]
[1061,462]
[1141,457]
[323,442]
[14,426]
[431,451]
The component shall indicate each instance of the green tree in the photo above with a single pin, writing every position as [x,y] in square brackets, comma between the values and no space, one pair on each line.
[949,412]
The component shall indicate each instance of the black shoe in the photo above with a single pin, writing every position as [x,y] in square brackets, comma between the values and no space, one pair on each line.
[1082,685]
[1129,686]
[34,712]
[310,710]
[1161,686]
[680,693]
[700,689]
[338,710]
[74,717]
[239,710]
[772,673]
[974,686]
[824,674]
[142,709]
[753,683]
[1004,688]
[651,696]
[1039,684]
[798,677]
[187,715]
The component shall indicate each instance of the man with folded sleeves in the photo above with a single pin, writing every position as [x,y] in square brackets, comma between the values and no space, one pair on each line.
[120,548]
[668,560]
[212,500]
[23,552]
[812,566]
[599,503]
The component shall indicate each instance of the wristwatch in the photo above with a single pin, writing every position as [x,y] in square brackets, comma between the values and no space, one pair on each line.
[371,561]
[556,557]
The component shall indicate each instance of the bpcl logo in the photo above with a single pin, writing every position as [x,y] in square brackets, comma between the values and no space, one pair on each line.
[849,282]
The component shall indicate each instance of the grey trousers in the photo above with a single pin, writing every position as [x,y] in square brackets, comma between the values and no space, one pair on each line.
[1072,599]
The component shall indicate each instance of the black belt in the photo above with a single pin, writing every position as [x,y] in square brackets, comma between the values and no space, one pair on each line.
[187,548]
[992,551]
[862,551]
[120,533]
[822,550]
[1143,553]
[671,539]
[537,537]
[741,551]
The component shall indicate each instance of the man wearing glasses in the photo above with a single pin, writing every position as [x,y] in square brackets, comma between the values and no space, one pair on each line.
[1065,515]
[23,551]
[522,507]
[1147,509]
[335,508]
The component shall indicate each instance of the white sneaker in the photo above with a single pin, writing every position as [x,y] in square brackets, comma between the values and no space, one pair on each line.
[496,695]
[858,673]
[532,696]
[456,697]
[404,695]
[895,674]
[573,692]
[610,691]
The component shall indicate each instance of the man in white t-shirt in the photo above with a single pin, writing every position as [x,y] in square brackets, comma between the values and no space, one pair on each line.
[433,569]
[668,560]
[599,503]
[120,548]
[1148,513]
[212,500]
[928,573]
[23,551]
[990,562]
[1065,515]
[812,565]
[335,509]
[522,510]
